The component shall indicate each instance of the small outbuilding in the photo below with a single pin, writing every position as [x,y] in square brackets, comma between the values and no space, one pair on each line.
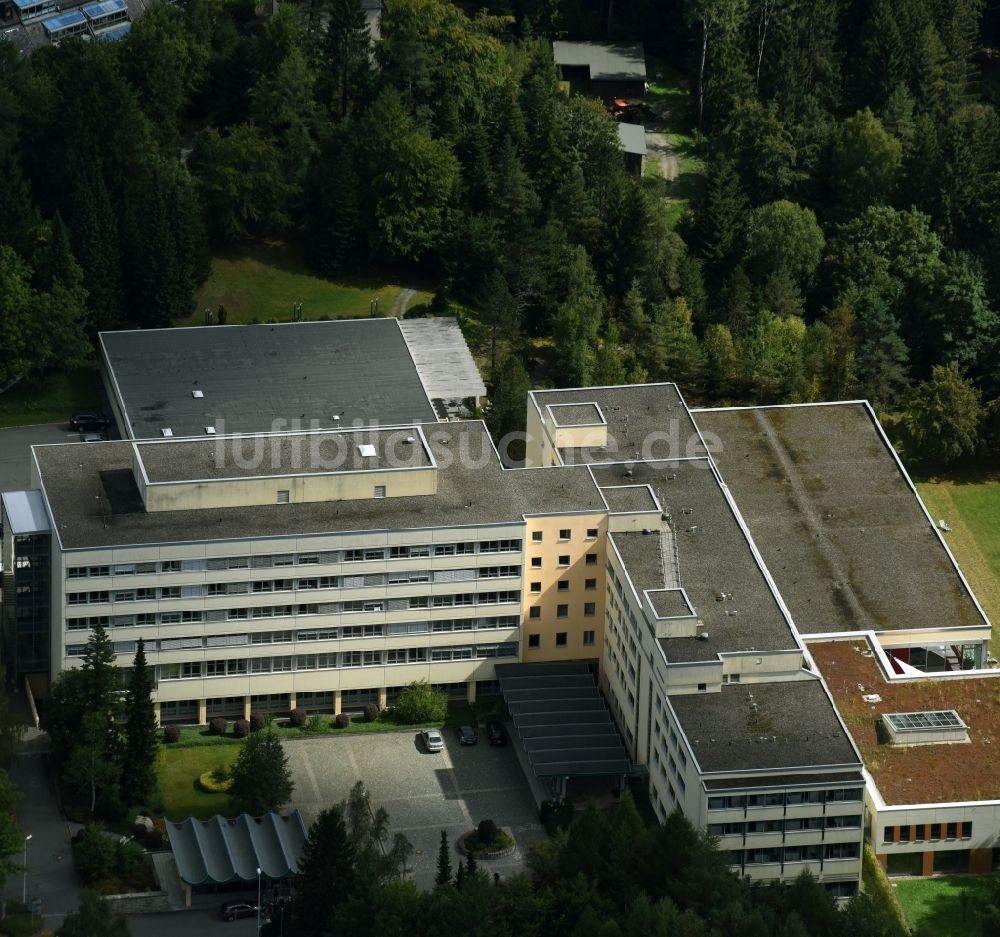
[605,69]
[633,140]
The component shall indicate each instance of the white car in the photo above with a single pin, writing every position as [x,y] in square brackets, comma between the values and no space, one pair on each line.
[433,740]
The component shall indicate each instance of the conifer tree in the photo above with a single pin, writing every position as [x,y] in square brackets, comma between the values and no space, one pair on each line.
[140,732]
[443,876]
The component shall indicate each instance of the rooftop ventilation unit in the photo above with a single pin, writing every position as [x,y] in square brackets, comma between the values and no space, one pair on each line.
[336,418]
[209,430]
[409,439]
[925,728]
[197,394]
[366,450]
[167,431]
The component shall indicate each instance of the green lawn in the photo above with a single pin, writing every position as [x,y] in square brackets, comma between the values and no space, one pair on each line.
[50,399]
[261,283]
[179,769]
[945,906]
[971,508]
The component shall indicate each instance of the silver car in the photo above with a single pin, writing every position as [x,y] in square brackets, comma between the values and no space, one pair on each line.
[433,740]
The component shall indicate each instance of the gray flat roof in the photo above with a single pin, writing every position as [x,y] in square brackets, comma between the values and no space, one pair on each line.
[669,603]
[265,378]
[629,499]
[296,454]
[794,725]
[714,557]
[836,520]
[632,138]
[576,414]
[445,364]
[26,512]
[95,502]
[562,720]
[607,61]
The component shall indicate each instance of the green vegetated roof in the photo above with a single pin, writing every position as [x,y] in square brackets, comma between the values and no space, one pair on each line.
[220,850]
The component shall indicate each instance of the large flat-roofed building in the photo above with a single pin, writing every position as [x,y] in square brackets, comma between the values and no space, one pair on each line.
[303,375]
[685,558]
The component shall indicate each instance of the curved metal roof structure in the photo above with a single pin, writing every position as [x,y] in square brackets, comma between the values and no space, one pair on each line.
[220,850]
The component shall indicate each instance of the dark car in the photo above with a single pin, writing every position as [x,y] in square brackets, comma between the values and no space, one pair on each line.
[495,733]
[89,422]
[467,735]
[231,910]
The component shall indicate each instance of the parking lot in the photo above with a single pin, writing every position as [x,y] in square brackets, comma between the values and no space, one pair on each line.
[15,450]
[423,793]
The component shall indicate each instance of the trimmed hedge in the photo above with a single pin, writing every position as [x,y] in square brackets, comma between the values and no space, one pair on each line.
[257,721]
[210,783]
[218,725]
[342,721]
[297,717]
[171,734]
[241,728]
[371,712]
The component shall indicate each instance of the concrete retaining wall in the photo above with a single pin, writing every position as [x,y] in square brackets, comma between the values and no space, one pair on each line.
[144,902]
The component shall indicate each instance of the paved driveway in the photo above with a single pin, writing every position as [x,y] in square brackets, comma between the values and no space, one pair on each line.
[423,793]
[15,450]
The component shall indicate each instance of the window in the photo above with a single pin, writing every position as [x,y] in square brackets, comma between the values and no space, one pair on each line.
[380,491]
[592,533]
[904,832]
[588,638]
[591,559]
[590,585]
[282,496]
[702,687]
[535,612]
[536,536]
[560,639]
[536,562]
[565,533]
[562,611]
[563,585]
[590,609]
[536,588]
[967,830]
[564,560]
[935,831]
[534,640]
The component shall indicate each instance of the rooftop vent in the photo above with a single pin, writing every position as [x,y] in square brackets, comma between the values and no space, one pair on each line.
[197,394]
[167,431]
[925,728]
[702,635]
[209,430]
[366,450]
[409,439]
[628,473]
[336,418]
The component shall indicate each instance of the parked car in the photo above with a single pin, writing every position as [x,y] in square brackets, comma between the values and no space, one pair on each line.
[92,437]
[467,735]
[232,910]
[495,733]
[89,422]
[433,740]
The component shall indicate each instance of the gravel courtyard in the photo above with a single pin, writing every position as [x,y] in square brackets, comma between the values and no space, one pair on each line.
[423,793]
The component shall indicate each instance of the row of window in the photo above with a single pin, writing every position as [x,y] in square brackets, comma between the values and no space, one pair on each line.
[563,586]
[786,798]
[313,634]
[565,534]
[924,832]
[781,854]
[266,561]
[590,559]
[309,608]
[562,610]
[561,639]
[238,667]
[797,825]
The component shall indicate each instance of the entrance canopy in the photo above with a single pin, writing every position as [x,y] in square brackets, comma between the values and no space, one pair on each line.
[221,850]
[562,720]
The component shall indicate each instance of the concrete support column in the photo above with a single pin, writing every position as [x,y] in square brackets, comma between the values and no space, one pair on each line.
[156,712]
[202,712]
[246,708]
[292,702]
[470,692]
[336,702]
[383,697]
[927,863]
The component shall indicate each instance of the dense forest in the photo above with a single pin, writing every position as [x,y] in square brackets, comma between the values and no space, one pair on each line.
[844,242]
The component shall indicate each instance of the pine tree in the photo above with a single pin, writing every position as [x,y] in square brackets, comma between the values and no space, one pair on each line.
[347,58]
[18,215]
[97,246]
[576,323]
[443,876]
[470,866]
[882,355]
[326,878]
[138,775]
[103,678]
[720,219]
[331,209]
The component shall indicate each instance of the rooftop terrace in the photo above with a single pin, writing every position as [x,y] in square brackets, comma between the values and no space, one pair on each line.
[941,773]
[836,520]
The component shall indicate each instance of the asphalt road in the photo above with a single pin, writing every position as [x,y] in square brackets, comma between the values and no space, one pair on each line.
[202,921]
[15,450]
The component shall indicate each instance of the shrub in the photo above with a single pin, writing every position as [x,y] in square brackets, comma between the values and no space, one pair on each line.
[218,725]
[215,782]
[171,734]
[315,725]
[371,712]
[257,721]
[297,717]
[342,721]
[420,702]
[486,832]
[95,853]
[241,728]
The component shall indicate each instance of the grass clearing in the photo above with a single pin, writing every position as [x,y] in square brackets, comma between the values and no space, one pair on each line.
[262,282]
[51,399]
[179,770]
[971,507]
[945,905]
